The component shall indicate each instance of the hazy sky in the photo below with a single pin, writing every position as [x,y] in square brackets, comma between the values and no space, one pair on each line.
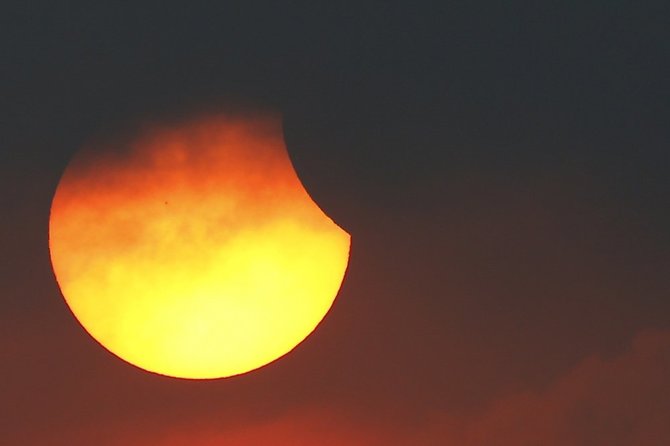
[502,168]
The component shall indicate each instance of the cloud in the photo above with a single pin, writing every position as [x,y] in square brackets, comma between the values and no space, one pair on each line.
[619,401]
[304,429]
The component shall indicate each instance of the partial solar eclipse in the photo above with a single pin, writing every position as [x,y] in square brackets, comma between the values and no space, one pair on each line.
[194,251]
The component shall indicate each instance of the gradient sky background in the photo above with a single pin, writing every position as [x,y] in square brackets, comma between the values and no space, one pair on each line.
[502,168]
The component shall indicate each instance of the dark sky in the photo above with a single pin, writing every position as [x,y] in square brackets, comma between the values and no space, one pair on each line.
[502,168]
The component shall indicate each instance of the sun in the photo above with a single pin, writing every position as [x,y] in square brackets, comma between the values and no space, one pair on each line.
[193,250]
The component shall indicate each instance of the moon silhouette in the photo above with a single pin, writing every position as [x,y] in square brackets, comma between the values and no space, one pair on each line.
[194,251]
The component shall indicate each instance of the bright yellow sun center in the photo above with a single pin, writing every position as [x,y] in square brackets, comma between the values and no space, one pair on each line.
[194,251]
